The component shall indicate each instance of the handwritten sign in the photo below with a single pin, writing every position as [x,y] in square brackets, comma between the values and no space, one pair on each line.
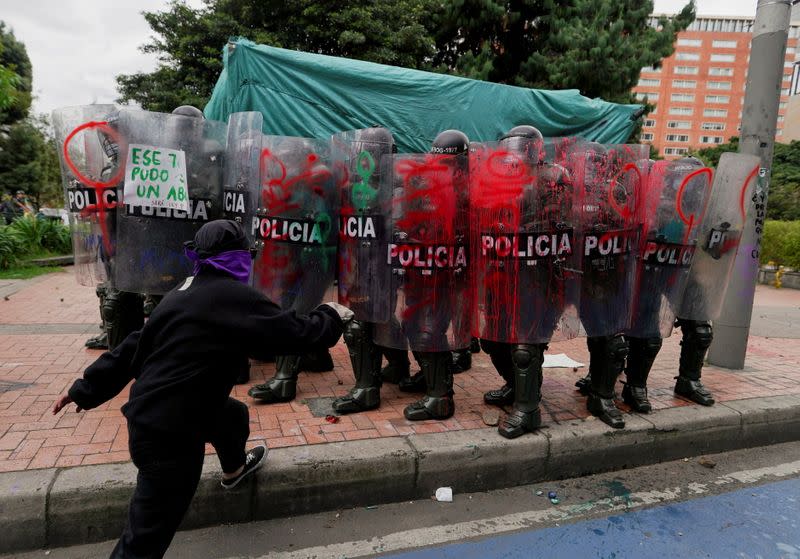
[156,177]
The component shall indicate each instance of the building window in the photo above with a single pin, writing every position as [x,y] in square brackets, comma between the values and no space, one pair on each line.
[720,71]
[723,58]
[649,123]
[718,85]
[723,44]
[687,70]
[677,138]
[684,83]
[782,105]
[651,69]
[687,56]
[675,151]
[785,91]
[718,99]
[647,136]
[789,50]
[650,96]
[679,124]
[682,97]
[712,126]
[690,42]
[710,139]
[680,110]
[646,82]
[780,118]
[722,113]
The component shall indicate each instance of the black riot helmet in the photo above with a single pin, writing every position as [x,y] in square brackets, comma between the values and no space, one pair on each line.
[526,140]
[376,135]
[188,110]
[450,142]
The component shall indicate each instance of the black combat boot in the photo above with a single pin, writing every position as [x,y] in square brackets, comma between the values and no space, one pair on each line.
[316,362]
[283,386]
[101,340]
[607,359]
[397,365]
[643,352]
[697,337]
[500,354]
[584,384]
[365,357]
[438,401]
[526,417]
[123,315]
[462,361]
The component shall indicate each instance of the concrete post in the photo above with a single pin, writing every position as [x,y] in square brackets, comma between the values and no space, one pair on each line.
[759,119]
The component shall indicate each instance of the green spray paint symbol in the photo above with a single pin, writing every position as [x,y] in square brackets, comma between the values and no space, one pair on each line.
[361,193]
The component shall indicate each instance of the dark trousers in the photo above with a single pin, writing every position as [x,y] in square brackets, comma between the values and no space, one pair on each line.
[169,471]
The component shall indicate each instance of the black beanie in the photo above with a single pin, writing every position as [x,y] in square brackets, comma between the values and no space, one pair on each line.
[218,236]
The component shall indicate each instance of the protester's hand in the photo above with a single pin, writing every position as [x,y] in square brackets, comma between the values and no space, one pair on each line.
[64,400]
[344,313]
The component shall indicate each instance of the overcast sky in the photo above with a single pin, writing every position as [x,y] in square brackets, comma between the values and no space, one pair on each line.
[77,47]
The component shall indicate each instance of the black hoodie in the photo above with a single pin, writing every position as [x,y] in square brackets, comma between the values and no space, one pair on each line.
[186,358]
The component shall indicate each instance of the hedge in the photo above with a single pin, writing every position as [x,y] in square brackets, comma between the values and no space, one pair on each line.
[780,244]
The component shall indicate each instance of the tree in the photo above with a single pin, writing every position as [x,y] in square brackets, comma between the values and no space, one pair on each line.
[783,202]
[29,162]
[189,41]
[596,46]
[16,76]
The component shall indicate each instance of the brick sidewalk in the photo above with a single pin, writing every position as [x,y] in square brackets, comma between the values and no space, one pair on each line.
[44,324]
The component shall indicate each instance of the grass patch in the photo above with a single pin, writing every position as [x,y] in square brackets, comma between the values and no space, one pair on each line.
[28,271]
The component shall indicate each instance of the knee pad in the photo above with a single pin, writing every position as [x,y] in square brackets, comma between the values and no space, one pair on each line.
[356,332]
[522,356]
[702,334]
[618,347]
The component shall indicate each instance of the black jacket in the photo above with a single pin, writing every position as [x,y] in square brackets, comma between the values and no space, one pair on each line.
[186,358]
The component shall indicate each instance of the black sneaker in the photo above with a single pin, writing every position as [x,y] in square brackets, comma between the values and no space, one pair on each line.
[253,461]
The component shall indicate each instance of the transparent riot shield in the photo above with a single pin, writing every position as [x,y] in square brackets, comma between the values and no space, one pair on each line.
[242,176]
[671,208]
[524,258]
[150,256]
[719,236]
[364,195]
[607,184]
[428,253]
[90,172]
[295,225]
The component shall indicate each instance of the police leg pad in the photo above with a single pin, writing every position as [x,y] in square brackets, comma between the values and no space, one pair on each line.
[365,357]
[283,386]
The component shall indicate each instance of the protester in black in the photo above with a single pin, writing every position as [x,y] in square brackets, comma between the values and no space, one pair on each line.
[185,361]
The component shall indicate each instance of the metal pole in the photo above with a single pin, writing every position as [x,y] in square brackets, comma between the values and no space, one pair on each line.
[759,119]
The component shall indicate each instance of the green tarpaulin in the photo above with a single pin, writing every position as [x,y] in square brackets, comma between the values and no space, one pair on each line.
[311,95]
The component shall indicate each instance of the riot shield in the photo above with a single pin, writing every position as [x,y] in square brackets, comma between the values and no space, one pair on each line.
[607,183]
[295,223]
[430,280]
[242,176]
[719,235]
[90,172]
[363,272]
[181,161]
[522,218]
[671,208]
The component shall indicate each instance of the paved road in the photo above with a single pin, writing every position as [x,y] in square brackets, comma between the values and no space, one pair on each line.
[745,506]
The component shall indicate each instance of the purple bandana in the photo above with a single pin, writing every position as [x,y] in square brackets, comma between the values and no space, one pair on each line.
[237,263]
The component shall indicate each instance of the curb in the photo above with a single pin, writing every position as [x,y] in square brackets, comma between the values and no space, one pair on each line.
[57,507]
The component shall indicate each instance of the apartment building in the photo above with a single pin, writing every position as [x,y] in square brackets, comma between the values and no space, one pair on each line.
[699,90]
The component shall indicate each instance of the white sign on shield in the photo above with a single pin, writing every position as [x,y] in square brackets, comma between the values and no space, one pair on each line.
[156,177]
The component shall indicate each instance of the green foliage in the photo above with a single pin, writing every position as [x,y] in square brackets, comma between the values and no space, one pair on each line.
[28,161]
[36,235]
[10,248]
[596,46]
[783,201]
[16,76]
[189,41]
[781,244]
